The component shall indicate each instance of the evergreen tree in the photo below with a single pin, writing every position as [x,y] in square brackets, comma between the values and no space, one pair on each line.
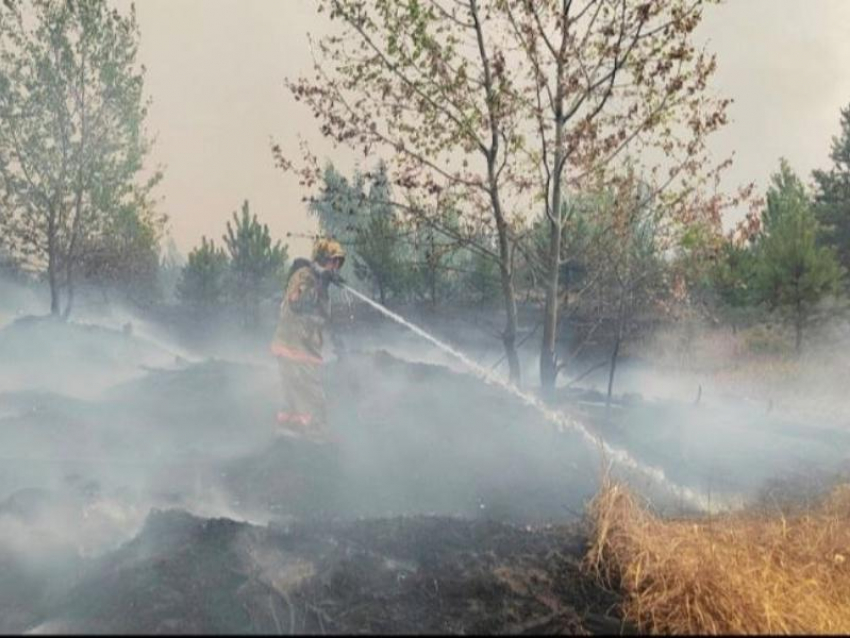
[434,259]
[257,265]
[202,281]
[339,210]
[730,277]
[170,266]
[377,239]
[793,272]
[361,215]
[482,278]
[832,195]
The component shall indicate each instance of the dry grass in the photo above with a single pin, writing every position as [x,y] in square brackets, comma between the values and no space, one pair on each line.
[743,573]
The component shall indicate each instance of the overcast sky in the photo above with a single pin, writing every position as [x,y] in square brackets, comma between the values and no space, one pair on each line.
[216,70]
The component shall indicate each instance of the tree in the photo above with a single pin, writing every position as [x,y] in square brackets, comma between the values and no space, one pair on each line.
[436,257]
[170,266]
[338,207]
[603,81]
[729,278]
[202,281]
[72,141]
[832,196]
[501,104]
[429,85]
[612,276]
[793,272]
[124,256]
[481,278]
[377,239]
[634,274]
[392,253]
[257,265]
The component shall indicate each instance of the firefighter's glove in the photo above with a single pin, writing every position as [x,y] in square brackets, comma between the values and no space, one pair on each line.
[332,277]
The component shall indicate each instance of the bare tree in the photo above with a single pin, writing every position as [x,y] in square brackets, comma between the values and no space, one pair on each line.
[607,81]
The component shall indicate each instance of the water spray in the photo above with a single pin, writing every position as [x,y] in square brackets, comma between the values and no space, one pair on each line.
[561,421]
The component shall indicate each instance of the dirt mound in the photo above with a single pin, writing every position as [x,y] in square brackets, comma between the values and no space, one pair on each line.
[184,574]
[71,358]
[418,439]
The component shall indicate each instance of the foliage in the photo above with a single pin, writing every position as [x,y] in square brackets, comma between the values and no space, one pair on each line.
[72,140]
[202,281]
[601,86]
[481,280]
[832,196]
[125,255]
[496,107]
[732,274]
[793,272]
[257,266]
[377,240]
[439,266]
[396,255]
[427,85]
[171,265]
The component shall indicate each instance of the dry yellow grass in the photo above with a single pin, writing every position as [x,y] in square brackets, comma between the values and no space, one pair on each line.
[742,573]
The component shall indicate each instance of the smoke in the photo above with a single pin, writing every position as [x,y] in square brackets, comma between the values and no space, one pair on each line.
[18,299]
[101,424]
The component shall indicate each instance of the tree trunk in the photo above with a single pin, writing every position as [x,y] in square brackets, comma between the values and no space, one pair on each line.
[509,335]
[548,356]
[434,289]
[611,370]
[614,355]
[69,303]
[505,269]
[54,283]
[507,278]
[798,329]
[52,276]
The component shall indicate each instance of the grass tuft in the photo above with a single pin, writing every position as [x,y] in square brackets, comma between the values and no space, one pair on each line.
[741,573]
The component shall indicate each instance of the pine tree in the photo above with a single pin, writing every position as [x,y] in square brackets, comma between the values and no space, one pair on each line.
[793,272]
[377,238]
[202,281]
[832,196]
[257,265]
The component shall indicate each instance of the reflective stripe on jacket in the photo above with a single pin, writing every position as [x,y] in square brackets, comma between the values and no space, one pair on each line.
[286,352]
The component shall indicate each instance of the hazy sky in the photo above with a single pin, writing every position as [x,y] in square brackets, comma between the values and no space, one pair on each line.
[216,70]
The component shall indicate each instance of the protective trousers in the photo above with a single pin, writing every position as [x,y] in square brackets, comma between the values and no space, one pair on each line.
[303,393]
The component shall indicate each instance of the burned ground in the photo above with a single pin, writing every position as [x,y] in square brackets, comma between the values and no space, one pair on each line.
[444,506]
[429,514]
[405,575]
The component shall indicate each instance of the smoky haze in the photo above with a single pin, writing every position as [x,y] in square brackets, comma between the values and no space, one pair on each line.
[120,414]
[111,416]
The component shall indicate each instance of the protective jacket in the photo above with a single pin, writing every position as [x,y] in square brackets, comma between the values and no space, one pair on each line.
[297,344]
[303,313]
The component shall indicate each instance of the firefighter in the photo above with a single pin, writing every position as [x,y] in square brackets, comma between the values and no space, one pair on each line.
[299,337]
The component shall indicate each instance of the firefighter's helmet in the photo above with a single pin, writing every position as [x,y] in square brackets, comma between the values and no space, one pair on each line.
[326,249]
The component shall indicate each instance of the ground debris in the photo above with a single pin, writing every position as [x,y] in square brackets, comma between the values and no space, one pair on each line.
[404,575]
